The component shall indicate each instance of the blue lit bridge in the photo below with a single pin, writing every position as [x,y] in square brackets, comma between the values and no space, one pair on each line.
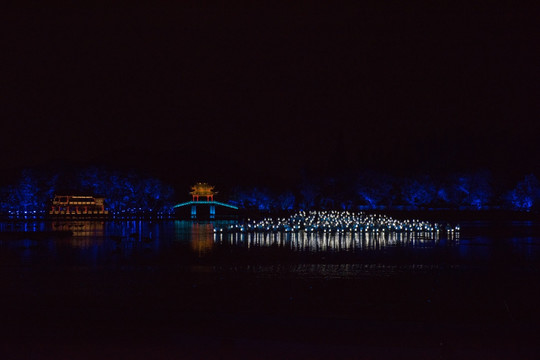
[211,204]
[205,191]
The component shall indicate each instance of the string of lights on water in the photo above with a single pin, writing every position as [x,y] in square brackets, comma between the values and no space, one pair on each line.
[335,230]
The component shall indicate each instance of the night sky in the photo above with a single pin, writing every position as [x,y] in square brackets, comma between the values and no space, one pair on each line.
[270,92]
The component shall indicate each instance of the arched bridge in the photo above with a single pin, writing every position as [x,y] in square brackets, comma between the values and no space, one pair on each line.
[212,205]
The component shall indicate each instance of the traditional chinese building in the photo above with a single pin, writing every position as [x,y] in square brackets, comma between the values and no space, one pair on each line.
[77,205]
[202,190]
[203,205]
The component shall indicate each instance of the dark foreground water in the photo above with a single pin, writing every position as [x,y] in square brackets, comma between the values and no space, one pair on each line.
[177,290]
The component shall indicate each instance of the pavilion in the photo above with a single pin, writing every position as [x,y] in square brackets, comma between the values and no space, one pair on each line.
[203,205]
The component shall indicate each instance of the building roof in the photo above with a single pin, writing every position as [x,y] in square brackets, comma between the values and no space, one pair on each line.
[202,189]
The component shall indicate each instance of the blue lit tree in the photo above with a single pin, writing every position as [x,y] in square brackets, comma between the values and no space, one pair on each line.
[468,190]
[93,181]
[442,196]
[31,193]
[418,192]
[26,192]
[481,190]
[525,194]
[9,200]
[126,191]
[252,198]
[48,188]
[286,200]
[155,194]
[309,192]
[24,196]
[449,193]
[375,190]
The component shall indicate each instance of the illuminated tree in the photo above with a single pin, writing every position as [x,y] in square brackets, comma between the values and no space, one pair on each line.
[469,190]
[309,192]
[375,189]
[253,198]
[126,191]
[526,193]
[418,192]
[155,194]
[24,196]
[286,200]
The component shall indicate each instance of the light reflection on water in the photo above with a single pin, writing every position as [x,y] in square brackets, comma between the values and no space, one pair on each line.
[99,243]
[201,238]
[331,242]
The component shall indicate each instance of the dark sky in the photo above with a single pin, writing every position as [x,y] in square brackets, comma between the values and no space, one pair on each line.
[272,91]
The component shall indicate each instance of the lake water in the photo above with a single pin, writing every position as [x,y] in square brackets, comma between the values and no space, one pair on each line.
[169,289]
[106,243]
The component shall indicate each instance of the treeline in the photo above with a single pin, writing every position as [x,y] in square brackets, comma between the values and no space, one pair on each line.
[34,190]
[366,190]
[370,190]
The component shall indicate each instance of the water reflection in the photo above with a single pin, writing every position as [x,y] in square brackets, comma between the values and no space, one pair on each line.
[201,238]
[87,234]
[323,242]
[81,228]
[200,235]
[109,243]
[23,226]
[530,246]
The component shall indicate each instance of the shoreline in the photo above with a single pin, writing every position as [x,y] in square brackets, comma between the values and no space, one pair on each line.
[421,214]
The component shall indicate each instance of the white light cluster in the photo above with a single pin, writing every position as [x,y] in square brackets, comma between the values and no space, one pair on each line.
[336,222]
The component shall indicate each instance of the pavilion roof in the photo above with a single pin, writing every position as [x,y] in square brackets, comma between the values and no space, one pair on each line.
[202,189]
